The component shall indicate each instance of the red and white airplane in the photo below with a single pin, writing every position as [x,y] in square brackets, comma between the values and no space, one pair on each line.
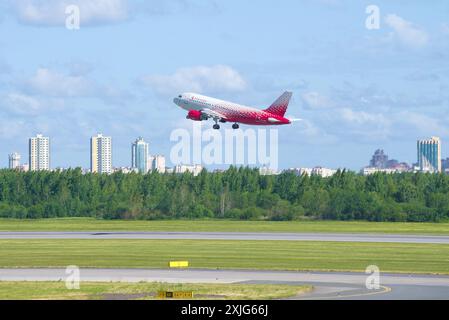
[201,108]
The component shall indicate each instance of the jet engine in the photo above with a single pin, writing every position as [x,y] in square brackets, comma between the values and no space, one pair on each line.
[196,115]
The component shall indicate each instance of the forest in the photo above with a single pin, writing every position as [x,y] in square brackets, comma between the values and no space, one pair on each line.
[237,193]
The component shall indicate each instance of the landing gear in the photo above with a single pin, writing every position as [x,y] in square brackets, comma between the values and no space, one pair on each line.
[216,125]
[235,126]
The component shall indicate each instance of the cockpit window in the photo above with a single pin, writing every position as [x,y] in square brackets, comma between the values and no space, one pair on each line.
[180,96]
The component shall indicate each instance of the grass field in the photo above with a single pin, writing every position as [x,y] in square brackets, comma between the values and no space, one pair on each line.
[275,255]
[86,224]
[142,290]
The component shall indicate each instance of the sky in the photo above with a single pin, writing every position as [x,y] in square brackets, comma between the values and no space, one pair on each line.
[357,89]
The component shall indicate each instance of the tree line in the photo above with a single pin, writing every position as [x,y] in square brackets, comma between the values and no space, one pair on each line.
[237,193]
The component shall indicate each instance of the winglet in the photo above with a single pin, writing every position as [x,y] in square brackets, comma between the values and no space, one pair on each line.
[279,107]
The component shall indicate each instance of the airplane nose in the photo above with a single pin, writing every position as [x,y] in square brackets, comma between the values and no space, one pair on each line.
[176,100]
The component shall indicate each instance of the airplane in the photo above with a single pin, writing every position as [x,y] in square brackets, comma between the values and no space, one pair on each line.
[201,108]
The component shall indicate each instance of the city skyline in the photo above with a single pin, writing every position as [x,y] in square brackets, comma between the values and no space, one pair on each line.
[101,155]
[356,88]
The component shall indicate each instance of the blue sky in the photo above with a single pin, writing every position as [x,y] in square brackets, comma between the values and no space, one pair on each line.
[356,89]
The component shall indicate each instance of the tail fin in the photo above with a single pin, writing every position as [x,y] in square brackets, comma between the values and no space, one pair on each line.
[279,107]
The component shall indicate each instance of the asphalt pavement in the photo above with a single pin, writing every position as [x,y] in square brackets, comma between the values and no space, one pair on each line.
[330,285]
[327,285]
[256,236]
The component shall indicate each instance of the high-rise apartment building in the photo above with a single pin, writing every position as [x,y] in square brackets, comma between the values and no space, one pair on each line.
[139,155]
[39,153]
[14,160]
[429,154]
[101,154]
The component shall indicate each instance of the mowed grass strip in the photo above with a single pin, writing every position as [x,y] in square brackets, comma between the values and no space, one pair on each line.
[274,255]
[90,224]
[143,290]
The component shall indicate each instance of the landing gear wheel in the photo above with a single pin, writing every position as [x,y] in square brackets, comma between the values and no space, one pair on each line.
[216,127]
[235,126]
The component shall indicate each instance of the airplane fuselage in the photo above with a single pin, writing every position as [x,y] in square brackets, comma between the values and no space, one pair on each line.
[228,111]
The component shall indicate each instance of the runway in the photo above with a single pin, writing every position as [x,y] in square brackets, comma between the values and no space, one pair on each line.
[334,237]
[330,285]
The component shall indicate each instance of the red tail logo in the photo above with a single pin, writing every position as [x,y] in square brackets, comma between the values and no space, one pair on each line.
[279,107]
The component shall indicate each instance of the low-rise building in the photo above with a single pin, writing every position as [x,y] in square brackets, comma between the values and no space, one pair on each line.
[24,167]
[372,170]
[126,170]
[195,169]
[323,172]
[267,171]
[319,171]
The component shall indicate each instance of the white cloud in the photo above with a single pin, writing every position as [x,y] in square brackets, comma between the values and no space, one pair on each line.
[422,124]
[407,33]
[97,12]
[312,133]
[25,105]
[355,125]
[362,118]
[21,104]
[52,12]
[52,83]
[199,79]
[12,128]
[315,100]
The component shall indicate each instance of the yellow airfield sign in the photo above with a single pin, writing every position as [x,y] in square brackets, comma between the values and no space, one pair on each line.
[175,295]
[178,264]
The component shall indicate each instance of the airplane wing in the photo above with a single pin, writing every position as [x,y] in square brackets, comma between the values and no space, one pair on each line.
[213,114]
